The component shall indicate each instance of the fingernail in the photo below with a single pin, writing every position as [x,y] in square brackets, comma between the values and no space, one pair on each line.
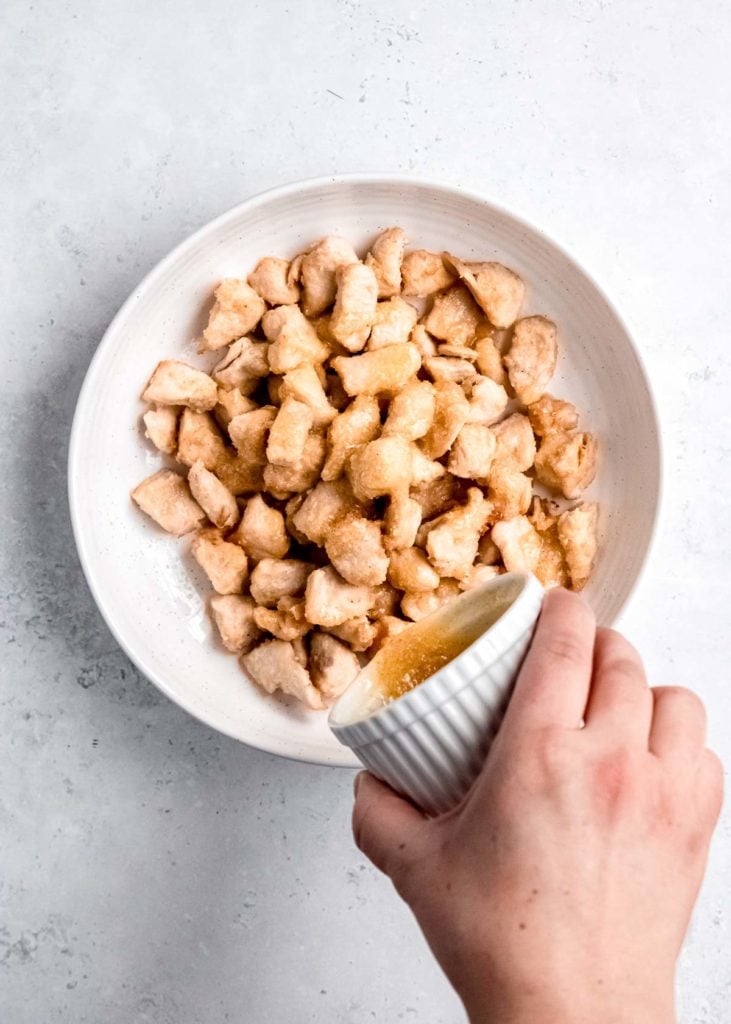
[356,782]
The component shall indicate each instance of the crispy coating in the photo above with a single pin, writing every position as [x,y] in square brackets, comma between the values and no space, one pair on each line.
[385,601]
[243,365]
[411,412]
[531,358]
[384,371]
[410,570]
[478,575]
[225,564]
[330,600]
[387,466]
[327,502]
[551,569]
[236,311]
[550,415]
[261,532]
[497,289]
[452,544]
[472,453]
[388,627]
[231,402]
[274,666]
[286,622]
[488,400]
[509,491]
[393,322]
[359,423]
[489,359]
[272,279]
[577,534]
[457,352]
[249,432]
[317,273]
[166,498]
[417,605]
[289,432]
[544,513]
[176,383]
[488,553]
[519,544]
[234,618]
[424,273]
[161,427]
[275,578]
[385,258]
[214,498]
[567,462]
[333,666]
[282,481]
[354,545]
[304,384]
[454,317]
[449,368]
[200,439]
[401,522]
[358,632]
[423,340]
[450,415]
[514,442]
[293,339]
[437,495]
[355,306]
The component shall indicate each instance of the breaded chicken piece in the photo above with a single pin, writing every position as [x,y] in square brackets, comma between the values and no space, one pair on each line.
[282,481]
[385,601]
[450,415]
[531,358]
[423,340]
[452,544]
[424,273]
[321,508]
[358,632]
[359,423]
[243,365]
[449,368]
[388,627]
[161,427]
[274,666]
[417,605]
[448,351]
[317,273]
[567,462]
[200,440]
[509,491]
[275,578]
[478,575]
[355,306]
[519,544]
[385,258]
[261,532]
[387,466]
[289,432]
[488,553]
[498,290]
[176,383]
[354,545]
[249,432]
[393,323]
[550,415]
[514,442]
[293,339]
[286,622]
[410,570]
[438,495]
[488,400]
[214,498]
[333,666]
[454,317]
[166,498]
[225,564]
[271,279]
[330,600]
[236,311]
[383,372]
[231,402]
[401,521]
[577,534]
[472,453]
[411,412]
[489,359]
[234,618]
[304,384]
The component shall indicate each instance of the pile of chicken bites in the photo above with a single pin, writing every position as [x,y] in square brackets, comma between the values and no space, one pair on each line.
[366,449]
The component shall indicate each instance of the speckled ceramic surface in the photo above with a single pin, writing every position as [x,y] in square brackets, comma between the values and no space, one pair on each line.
[145,582]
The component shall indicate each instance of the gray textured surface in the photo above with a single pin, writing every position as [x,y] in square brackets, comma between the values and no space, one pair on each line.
[153,871]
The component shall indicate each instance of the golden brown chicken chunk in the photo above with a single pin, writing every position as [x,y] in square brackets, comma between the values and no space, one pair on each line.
[354,546]
[451,412]
[577,533]
[567,462]
[275,578]
[531,358]
[304,384]
[497,289]
[393,322]
[274,666]
[166,498]
[519,544]
[410,570]
[293,339]
[273,280]
[176,383]
[161,427]
[214,498]
[330,600]
[552,415]
[411,412]
[452,543]
[424,273]
[514,442]
[385,259]
[243,365]
[236,311]
[234,618]
[261,532]
[384,371]
[333,666]
[355,306]
[454,317]
[225,564]
[318,273]
[417,605]
[289,432]
[472,453]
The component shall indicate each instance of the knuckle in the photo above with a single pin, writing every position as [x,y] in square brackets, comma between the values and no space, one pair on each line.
[689,701]
[565,648]
[553,754]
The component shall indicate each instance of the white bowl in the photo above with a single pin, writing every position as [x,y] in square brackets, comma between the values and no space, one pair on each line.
[430,743]
[146,586]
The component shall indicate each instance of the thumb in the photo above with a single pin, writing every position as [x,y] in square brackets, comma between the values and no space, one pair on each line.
[389,830]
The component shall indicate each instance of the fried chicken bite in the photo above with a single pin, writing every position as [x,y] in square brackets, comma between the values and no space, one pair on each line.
[272,279]
[317,273]
[234,618]
[176,383]
[333,666]
[384,371]
[275,578]
[261,532]
[286,622]
[161,427]
[236,311]
[498,290]
[327,502]
[417,605]
[531,358]
[550,415]
[401,522]
[330,600]
[225,564]
[423,340]
[472,453]
[355,306]
[509,491]
[243,365]
[359,423]
[449,368]
[478,575]
[393,322]
[249,432]
[489,360]
[289,432]
[519,543]
[514,442]
[410,569]
[166,498]
[358,632]
[487,399]
[385,259]
[354,546]
[214,498]
[231,402]
[411,411]
[282,481]
[293,339]
[577,534]
[451,412]
[566,462]
[452,543]
[454,316]
[424,273]
[304,384]
[274,666]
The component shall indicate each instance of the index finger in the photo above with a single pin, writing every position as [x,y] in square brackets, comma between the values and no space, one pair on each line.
[553,685]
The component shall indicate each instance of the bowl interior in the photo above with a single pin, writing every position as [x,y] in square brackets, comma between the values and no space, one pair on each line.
[145,582]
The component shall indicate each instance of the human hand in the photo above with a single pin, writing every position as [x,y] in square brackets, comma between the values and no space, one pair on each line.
[560,888]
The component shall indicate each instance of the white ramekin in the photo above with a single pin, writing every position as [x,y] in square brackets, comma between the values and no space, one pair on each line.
[430,743]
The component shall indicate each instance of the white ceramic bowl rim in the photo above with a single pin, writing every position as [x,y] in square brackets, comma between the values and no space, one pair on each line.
[190,242]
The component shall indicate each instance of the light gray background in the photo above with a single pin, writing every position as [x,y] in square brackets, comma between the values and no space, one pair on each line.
[151,871]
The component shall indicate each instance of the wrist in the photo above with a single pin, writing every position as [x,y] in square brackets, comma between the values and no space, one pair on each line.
[571,1008]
